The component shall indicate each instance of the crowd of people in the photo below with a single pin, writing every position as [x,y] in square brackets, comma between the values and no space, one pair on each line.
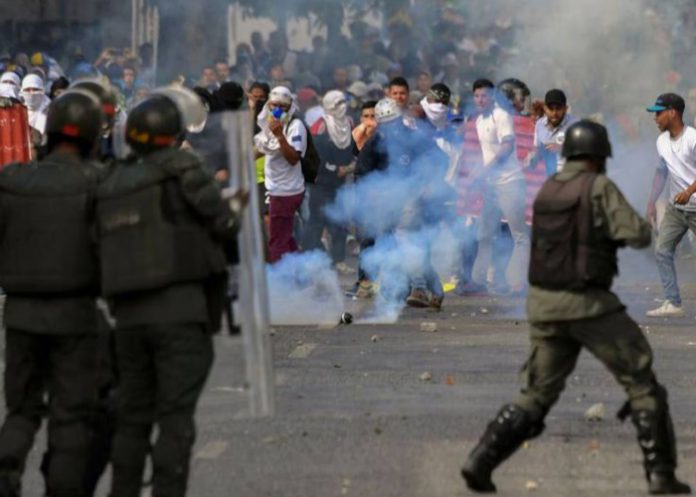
[387,145]
[477,151]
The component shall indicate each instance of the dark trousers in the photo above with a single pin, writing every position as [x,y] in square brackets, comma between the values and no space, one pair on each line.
[365,243]
[319,199]
[282,218]
[61,366]
[614,339]
[162,372]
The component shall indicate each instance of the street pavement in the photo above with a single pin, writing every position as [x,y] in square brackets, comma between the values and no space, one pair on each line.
[388,410]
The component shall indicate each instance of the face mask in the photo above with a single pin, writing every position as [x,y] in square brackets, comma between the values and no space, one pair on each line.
[339,111]
[279,114]
[436,112]
[32,100]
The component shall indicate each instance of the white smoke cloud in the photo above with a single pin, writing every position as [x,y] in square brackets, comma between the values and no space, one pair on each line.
[303,289]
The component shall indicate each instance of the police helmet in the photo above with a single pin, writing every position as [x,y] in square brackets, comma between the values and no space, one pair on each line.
[387,110]
[75,116]
[153,124]
[586,138]
[104,92]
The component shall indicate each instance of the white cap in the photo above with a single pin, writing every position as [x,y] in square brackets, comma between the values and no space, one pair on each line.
[280,95]
[387,110]
[11,78]
[33,81]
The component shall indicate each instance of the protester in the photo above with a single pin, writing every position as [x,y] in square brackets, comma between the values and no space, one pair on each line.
[368,125]
[37,102]
[283,140]
[549,132]
[676,148]
[503,187]
[440,141]
[334,143]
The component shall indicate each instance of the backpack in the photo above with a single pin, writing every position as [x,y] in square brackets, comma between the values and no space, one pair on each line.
[311,160]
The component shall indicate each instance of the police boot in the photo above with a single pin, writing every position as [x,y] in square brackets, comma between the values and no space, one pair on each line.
[656,439]
[512,426]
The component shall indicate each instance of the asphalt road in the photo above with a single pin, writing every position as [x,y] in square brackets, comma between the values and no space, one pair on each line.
[355,416]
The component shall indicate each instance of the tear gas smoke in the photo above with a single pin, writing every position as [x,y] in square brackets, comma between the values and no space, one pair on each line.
[612,59]
[407,210]
[304,290]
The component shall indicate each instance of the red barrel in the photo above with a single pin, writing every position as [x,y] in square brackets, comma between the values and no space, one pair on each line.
[15,138]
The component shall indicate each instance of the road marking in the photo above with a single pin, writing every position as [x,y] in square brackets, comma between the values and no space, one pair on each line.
[228,389]
[302,351]
[212,450]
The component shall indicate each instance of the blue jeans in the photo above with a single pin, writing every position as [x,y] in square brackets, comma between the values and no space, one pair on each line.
[673,227]
[503,201]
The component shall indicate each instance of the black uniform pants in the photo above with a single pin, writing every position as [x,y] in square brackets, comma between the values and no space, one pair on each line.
[61,366]
[163,369]
[319,199]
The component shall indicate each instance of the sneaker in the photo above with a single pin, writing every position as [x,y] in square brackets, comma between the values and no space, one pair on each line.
[418,298]
[470,288]
[436,302]
[344,268]
[366,290]
[666,310]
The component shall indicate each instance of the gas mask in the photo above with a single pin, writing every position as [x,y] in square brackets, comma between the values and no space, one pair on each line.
[279,114]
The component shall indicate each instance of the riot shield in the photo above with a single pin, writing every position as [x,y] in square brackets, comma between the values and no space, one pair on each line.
[15,137]
[253,295]
[189,104]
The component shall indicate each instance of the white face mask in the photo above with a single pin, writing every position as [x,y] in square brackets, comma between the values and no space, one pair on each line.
[339,110]
[436,112]
[32,99]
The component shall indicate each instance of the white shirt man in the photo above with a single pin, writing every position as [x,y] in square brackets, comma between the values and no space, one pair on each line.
[494,128]
[678,156]
[676,147]
[283,140]
[282,178]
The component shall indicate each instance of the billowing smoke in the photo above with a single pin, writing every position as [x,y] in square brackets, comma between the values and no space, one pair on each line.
[612,59]
[407,210]
[304,289]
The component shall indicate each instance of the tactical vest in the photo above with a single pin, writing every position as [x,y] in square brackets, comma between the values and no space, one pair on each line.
[149,236]
[567,252]
[46,243]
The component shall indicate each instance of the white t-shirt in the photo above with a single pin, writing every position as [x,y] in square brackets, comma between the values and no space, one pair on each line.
[282,178]
[493,129]
[678,155]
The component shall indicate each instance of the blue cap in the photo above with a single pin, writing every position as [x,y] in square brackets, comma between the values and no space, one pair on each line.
[668,101]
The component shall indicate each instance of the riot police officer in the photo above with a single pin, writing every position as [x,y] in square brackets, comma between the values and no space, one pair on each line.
[110,146]
[161,224]
[49,271]
[104,418]
[580,220]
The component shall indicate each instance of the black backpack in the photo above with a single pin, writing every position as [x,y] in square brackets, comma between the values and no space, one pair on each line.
[311,160]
